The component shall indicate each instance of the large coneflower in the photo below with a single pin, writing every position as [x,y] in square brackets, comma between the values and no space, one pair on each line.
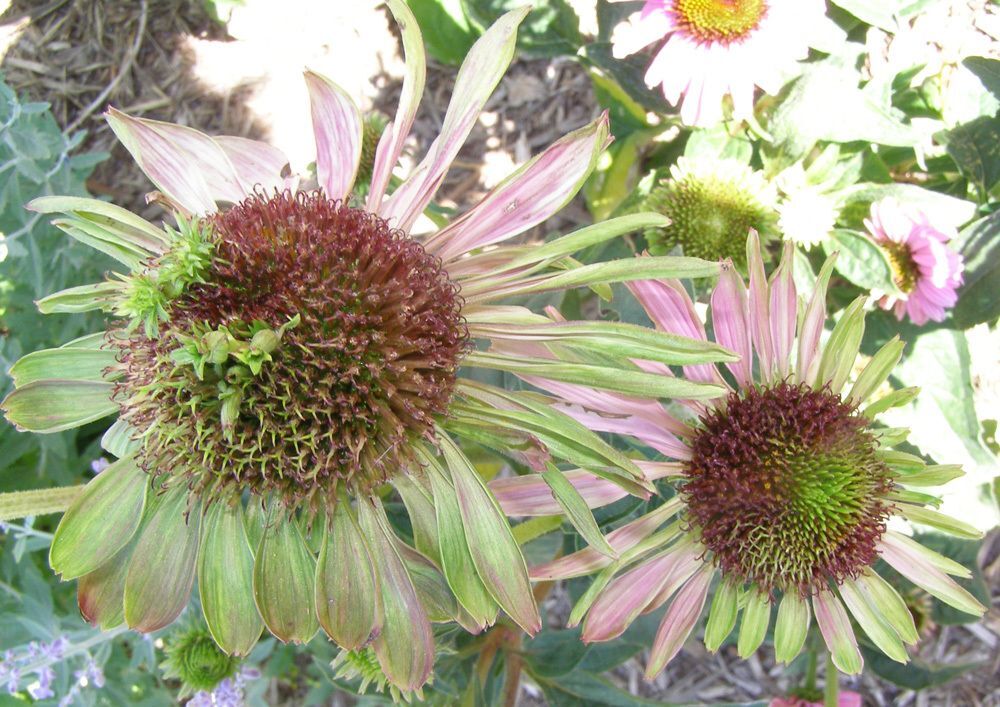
[283,361]
[786,484]
[716,48]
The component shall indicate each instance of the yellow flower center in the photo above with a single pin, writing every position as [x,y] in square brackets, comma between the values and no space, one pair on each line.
[904,269]
[722,21]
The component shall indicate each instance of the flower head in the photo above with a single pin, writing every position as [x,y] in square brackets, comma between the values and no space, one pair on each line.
[926,271]
[717,48]
[711,204]
[284,361]
[196,661]
[785,485]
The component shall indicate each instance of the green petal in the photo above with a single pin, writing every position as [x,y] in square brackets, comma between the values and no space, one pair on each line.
[405,647]
[119,223]
[495,553]
[889,605]
[85,298]
[284,575]
[934,475]
[934,519]
[791,627]
[100,594]
[756,617]
[877,371]
[894,399]
[57,405]
[577,510]
[161,572]
[432,588]
[101,520]
[721,615]
[120,439]
[79,364]
[835,626]
[347,600]
[225,580]
[423,518]
[871,623]
[841,350]
[456,559]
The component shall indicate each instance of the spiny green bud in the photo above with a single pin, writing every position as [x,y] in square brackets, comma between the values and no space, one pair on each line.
[265,340]
[216,346]
[195,660]
[143,302]
[712,205]
[364,664]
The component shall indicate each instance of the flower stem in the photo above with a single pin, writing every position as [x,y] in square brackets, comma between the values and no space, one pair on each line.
[831,692]
[811,668]
[39,502]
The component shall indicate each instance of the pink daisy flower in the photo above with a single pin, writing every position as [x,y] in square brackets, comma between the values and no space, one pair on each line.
[717,48]
[785,484]
[926,271]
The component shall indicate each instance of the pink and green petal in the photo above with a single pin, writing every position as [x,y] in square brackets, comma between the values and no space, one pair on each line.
[811,328]
[889,605]
[679,621]
[338,131]
[100,594]
[257,164]
[161,571]
[189,167]
[916,568]
[759,308]
[284,576]
[730,321]
[835,626]
[877,629]
[627,596]
[784,311]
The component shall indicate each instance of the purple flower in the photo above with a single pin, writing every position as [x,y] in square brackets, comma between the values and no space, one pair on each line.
[100,464]
[42,690]
[201,699]
[13,678]
[56,649]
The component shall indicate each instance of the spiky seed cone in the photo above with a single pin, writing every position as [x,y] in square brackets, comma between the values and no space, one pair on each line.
[364,337]
[196,661]
[785,488]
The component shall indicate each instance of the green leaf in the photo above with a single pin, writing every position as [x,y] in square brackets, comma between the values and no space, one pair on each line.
[85,298]
[860,260]
[986,70]
[917,674]
[940,208]
[161,571]
[979,296]
[284,575]
[55,405]
[552,28]
[84,364]
[347,600]
[975,147]
[225,580]
[577,510]
[100,521]
[620,380]
[878,13]
[553,653]
[445,28]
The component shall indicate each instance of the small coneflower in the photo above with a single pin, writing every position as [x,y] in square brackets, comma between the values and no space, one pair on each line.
[711,204]
[285,361]
[786,485]
[926,271]
[717,48]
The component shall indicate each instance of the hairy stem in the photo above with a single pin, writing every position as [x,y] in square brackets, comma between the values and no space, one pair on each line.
[39,502]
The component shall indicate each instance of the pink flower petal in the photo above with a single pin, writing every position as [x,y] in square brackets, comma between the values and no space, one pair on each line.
[679,621]
[187,166]
[729,320]
[338,131]
[480,73]
[527,197]
[835,625]
[807,364]
[784,311]
[760,329]
[390,146]
[257,164]
[640,30]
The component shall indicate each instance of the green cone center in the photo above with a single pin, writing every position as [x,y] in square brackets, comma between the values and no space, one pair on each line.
[720,20]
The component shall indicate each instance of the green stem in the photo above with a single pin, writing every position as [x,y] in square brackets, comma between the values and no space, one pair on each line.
[831,693]
[811,668]
[20,504]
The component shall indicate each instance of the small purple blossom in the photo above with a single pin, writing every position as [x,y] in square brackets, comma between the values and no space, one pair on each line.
[3,527]
[42,689]
[13,679]
[228,693]
[100,464]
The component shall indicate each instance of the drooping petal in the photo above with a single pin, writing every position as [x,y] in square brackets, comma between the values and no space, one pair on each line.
[627,596]
[480,73]
[186,165]
[889,605]
[791,627]
[338,131]
[257,164]
[871,623]
[126,226]
[730,321]
[284,575]
[784,311]
[405,647]
[225,580]
[756,617]
[722,615]
[527,197]
[161,571]
[395,134]
[807,363]
[838,635]
[347,597]
[99,594]
[918,570]
[497,557]
[68,363]
[101,521]
[759,308]
[54,405]
[679,621]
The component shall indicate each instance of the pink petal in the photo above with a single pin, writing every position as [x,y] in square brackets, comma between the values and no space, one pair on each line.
[187,166]
[807,364]
[529,196]
[480,73]
[257,164]
[390,146]
[338,131]
[835,625]
[641,428]
[784,311]
[625,598]
[759,307]
[640,30]
[589,560]
[679,621]
[729,320]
